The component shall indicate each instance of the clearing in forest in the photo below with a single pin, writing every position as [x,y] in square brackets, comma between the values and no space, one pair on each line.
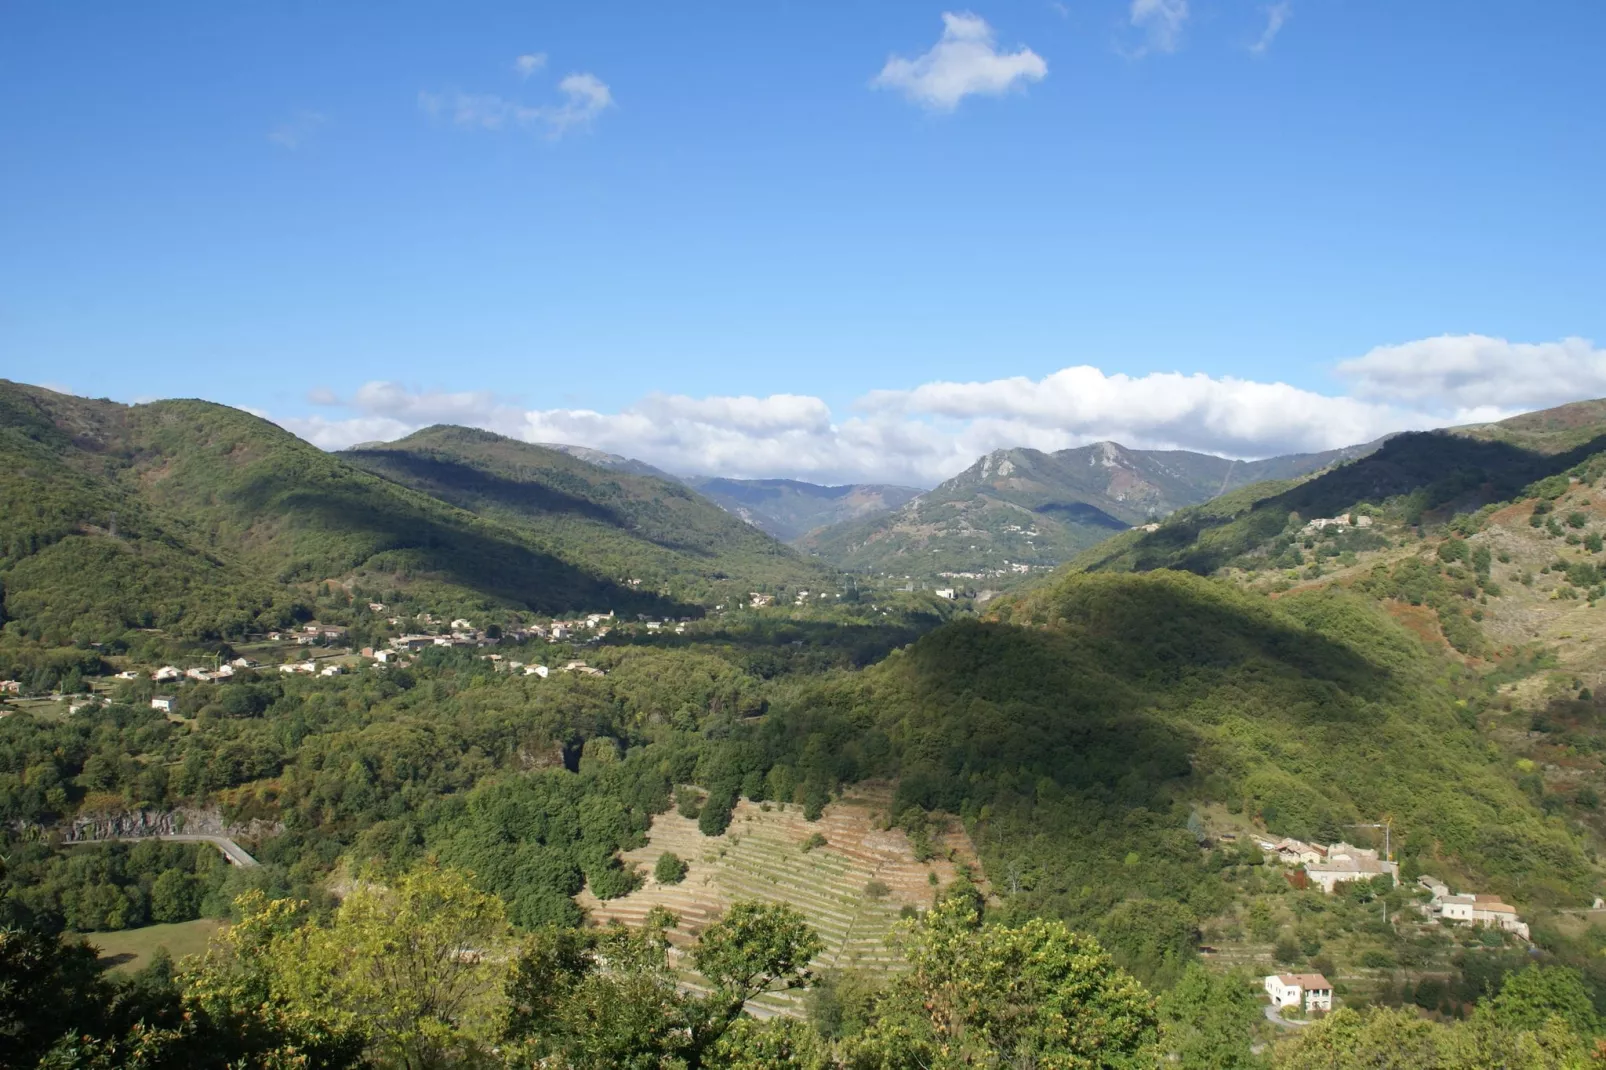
[761,857]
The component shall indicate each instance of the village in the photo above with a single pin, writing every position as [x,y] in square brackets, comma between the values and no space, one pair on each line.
[1332,866]
[317,648]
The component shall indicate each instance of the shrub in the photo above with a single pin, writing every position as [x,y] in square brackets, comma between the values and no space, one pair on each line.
[716,815]
[671,868]
[613,881]
[688,803]
[815,840]
[1576,520]
[877,889]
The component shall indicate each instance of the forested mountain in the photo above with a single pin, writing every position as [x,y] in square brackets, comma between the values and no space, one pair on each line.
[205,521]
[791,510]
[1026,507]
[620,520]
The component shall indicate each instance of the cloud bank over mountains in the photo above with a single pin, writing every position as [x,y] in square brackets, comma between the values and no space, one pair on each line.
[931,431]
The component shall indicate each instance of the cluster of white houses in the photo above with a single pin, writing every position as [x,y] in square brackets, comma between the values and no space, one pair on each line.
[1472,909]
[1340,863]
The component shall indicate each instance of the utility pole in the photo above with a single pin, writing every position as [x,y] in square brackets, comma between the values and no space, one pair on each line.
[1387,825]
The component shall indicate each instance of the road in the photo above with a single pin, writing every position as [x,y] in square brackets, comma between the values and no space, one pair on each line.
[1274,1018]
[232,851]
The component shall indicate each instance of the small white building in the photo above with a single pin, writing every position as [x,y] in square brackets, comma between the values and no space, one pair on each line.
[1309,990]
[945,592]
[165,703]
[537,670]
[128,674]
[1457,908]
[1489,910]
[1436,888]
[166,673]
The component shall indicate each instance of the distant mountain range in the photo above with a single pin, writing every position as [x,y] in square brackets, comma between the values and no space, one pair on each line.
[788,509]
[791,510]
[1023,508]
[1012,511]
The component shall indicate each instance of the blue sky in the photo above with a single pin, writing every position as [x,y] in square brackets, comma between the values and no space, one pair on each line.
[834,241]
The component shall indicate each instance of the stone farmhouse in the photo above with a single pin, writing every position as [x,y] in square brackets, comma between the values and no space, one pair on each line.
[1332,865]
[1469,909]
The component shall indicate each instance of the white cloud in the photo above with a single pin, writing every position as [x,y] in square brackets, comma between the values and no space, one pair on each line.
[927,433]
[1473,371]
[1161,21]
[322,395]
[585,96]
[529,63]
[1276,15]
[298,130]
[964,61]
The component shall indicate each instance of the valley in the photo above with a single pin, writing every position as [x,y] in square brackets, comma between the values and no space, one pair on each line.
[523,680]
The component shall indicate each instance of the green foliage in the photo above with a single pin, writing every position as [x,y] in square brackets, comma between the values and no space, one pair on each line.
[669,869]
[1400,1040]
[715,816]
[108,886]
[1529,998]
[1207,1020]
[1034,994]
[778,1044]
[596,1001]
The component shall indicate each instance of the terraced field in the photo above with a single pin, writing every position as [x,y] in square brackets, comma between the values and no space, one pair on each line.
[761,857]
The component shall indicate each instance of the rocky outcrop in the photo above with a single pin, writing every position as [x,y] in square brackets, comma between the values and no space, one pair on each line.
[150,823]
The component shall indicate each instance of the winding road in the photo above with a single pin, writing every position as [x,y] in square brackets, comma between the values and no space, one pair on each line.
[232,851]
[1274,1018]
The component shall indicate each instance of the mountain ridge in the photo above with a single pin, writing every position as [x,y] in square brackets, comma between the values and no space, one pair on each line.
[1020,507]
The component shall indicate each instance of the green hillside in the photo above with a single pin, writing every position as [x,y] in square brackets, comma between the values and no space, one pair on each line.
[1413,477]
[621,523]
[1025,508]
[1079,730]
[206,522]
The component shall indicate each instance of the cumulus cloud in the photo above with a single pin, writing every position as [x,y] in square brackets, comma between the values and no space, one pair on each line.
[1163,409]
[931,431]
[1276,15]
[965,61]
[1161,21]
[583,98]
[298,130]
[1474,371]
